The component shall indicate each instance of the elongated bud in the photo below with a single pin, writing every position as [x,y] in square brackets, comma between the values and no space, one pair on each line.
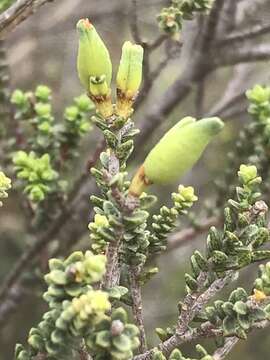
[94,67]
[176,152]
[129,77]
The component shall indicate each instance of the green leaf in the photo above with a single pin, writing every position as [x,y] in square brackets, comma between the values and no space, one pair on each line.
[240,307]
[103,339]
[122,343]
[230,325]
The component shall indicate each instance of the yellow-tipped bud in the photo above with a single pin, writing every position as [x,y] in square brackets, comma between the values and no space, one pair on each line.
[95,67]
[100,94]
[93,55]
[129,77]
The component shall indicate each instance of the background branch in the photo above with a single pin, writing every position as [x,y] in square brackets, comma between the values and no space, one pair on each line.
[17,13]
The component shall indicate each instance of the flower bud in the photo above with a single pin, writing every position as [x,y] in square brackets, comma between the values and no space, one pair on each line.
[93,56]
[94,67]
[176,152]
[5,185]
[129,77]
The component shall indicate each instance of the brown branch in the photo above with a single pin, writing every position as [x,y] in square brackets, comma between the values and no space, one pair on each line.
[153,75]
[237,37]
[234,92]
[226,349]
[134,26]
[206,330]
[137,308]
[17,13]
[183,237]
[210,30]
[194,302]
[199,98]
[157,42]
[243,55]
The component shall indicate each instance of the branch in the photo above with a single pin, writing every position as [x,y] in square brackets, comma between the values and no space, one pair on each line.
[226,349]
[244,55]
[153,75]
[199,98]
[17,13]
[193,303]
[211,26]
[137,308]
[206,330]
[134,26]
[234,92]
[183,237]
[237,38]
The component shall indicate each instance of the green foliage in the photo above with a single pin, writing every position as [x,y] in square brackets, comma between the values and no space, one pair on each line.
[5,185]
[263,282]
[176,354]
[240,312]
[46,135]
[47,146]
[37,175]
[259,98]
[171,18]
[5,4]
[78,312]
[73,276]
[165,222]
[252,145]
[114,338]
[245,230]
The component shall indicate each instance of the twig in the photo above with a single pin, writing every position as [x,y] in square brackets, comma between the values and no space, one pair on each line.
[199,98]
[210,30]
[151,78]
[229,16]
[137,308]
[185,236]
[134,26]
[222,352]
[111,278]
[234,92]
[83,354]
[237,37]
[17,13]
[244,55]
[156,43]
[16,296]
[206,330]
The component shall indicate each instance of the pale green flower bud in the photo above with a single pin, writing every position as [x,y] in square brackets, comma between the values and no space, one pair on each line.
[5,184]
[93,56]
[95,67]
[248,175]
[176,152]
[129,77]
[101,220]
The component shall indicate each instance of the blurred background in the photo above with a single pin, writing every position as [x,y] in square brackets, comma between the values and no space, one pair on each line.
[42,50]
